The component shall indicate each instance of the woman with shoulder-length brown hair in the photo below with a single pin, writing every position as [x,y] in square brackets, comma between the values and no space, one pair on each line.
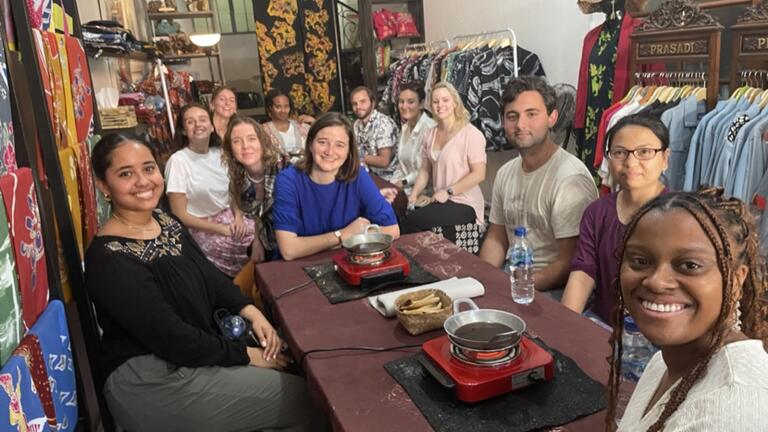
[326,197]
[253,161]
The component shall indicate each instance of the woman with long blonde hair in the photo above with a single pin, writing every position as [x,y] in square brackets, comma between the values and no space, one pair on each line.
[453,159]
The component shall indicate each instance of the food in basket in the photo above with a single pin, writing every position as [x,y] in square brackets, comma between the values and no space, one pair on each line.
[428,304]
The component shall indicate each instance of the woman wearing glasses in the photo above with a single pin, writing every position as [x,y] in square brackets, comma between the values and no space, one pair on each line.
[638,154]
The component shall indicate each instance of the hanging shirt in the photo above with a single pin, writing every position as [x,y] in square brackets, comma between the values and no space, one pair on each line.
[681,122]
[600,93]
[621,78]
[713,137]
[751,161]
[722,167]
[696,148]
[490,71]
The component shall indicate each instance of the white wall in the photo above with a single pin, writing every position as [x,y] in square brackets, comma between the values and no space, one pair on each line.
[553,29]
[240,62]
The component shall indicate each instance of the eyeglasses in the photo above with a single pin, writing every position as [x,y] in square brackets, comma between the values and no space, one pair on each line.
[640,153]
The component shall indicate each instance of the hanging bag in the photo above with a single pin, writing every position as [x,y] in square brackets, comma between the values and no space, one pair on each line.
[405,25]
[384,24]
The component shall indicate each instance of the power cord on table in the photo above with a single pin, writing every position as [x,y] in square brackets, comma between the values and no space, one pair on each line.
[302,285]
[359,348]
[293,290]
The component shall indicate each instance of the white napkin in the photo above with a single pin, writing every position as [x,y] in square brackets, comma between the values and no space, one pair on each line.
[454,287]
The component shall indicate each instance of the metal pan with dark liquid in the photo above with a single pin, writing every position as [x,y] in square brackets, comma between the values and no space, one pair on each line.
[483,329]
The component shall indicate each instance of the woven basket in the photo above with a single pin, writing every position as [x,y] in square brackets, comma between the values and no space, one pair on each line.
[417,324]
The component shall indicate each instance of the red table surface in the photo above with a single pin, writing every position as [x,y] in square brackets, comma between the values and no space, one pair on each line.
[353,387]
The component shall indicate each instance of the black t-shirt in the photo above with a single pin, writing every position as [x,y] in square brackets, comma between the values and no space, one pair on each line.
[158,297]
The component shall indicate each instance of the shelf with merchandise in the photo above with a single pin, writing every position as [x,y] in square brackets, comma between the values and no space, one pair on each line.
[156,16]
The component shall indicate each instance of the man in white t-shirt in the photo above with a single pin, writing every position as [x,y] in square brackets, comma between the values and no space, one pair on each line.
[545,190]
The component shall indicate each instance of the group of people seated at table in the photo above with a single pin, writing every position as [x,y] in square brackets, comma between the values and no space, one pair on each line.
[685,266]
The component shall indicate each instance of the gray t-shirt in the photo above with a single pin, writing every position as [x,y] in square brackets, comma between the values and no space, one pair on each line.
[548,202]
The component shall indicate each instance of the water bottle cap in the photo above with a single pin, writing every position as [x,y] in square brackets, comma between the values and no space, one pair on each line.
[520,231]
[629,324]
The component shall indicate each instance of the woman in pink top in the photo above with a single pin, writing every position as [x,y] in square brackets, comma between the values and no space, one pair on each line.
[454,160]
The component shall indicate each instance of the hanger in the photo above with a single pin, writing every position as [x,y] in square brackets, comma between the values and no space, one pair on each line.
[741,90]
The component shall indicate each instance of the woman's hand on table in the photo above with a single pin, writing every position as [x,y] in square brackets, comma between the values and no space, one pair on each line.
[258,359]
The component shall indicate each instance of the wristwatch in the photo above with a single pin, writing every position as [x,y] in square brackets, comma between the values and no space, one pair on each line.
[337,234]
[449,191]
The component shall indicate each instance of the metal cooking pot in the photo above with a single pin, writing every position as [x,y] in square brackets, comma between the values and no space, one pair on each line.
[497,342]
[369,242]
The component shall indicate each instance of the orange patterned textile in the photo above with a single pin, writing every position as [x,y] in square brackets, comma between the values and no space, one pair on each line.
[297,52]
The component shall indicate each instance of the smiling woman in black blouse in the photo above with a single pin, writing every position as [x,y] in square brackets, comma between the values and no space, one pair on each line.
[167,367]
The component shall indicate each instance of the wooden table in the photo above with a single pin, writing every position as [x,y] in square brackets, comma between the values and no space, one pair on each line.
[353,387]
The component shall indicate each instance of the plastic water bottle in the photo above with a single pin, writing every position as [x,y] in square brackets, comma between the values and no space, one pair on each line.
[637,351]
[520,268]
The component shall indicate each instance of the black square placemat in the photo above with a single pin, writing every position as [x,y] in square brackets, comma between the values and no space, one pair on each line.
[569,395]
[336,290]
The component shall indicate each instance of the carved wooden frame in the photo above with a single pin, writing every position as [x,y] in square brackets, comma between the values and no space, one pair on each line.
[723,3]
[712,4]
[679,32]
[750,36]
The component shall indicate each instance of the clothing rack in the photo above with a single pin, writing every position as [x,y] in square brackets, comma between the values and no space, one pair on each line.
[419,48]
[693,39]
[756,78]
[750,50]
[671,78]
[485,35]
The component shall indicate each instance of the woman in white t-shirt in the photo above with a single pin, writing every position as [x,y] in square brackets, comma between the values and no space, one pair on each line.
[288,134]
[416,124]
[692,279]
[198,192]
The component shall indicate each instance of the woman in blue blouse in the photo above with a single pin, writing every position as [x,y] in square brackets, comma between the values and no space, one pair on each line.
[326,197]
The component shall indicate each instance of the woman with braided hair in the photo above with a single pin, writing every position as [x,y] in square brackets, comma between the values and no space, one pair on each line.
[691,277]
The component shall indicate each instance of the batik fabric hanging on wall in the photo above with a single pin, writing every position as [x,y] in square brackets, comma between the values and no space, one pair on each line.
[297,52]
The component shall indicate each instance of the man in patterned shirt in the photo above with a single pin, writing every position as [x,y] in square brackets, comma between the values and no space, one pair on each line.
[376,134]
